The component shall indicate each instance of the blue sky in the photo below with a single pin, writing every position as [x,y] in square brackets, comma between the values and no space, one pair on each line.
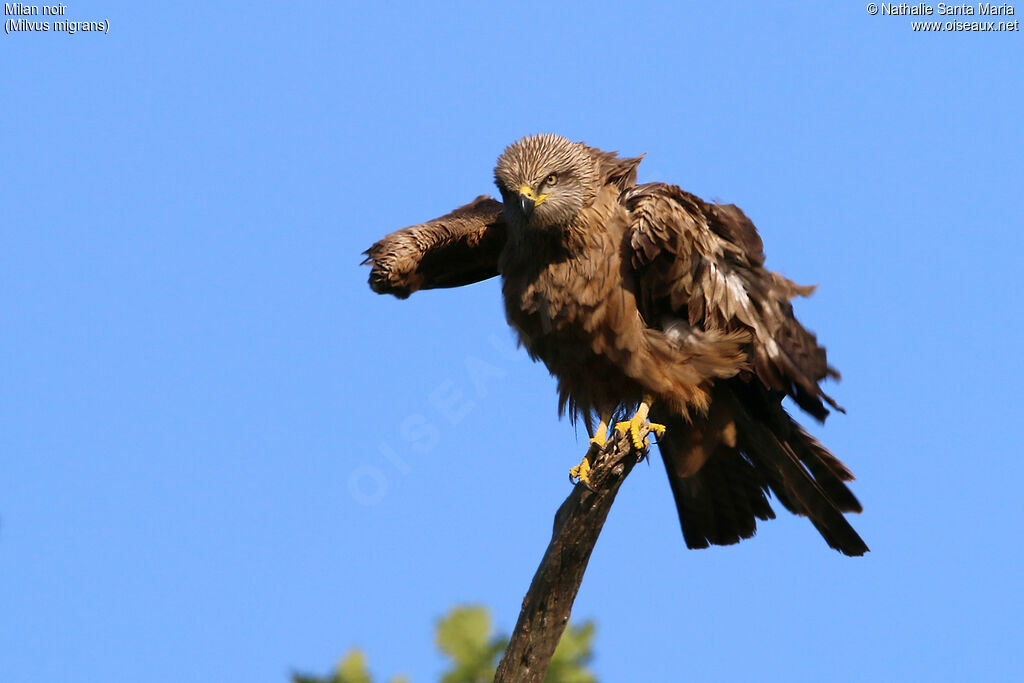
[224,458]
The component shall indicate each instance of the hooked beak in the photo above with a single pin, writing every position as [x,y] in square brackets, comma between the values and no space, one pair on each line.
[526,203]
[528,199]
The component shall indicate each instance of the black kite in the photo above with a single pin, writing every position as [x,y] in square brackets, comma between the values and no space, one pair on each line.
[644,299]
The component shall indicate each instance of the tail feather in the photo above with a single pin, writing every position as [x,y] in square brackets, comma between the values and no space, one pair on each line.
[720,502]
[826,469]
[786,476]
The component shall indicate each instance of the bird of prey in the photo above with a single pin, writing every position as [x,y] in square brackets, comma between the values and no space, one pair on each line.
[648,303]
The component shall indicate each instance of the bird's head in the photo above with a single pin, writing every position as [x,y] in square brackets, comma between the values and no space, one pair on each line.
[545,180]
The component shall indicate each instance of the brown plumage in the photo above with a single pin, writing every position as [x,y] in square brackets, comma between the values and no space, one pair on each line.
[629,292]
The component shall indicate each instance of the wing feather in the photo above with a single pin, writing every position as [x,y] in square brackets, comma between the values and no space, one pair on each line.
[705,263]
[459,248]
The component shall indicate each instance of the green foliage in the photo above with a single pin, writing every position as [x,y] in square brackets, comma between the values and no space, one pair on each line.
[351,669]
[465,637]
[574,652]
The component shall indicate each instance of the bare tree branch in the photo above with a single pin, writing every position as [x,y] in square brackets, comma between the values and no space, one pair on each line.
[548,603]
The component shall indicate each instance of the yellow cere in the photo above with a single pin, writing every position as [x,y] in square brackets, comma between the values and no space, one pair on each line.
[527,192]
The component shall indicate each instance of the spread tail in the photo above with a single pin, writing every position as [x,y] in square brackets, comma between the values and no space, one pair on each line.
[722,470]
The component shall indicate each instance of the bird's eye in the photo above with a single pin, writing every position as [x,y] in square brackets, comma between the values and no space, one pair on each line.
[551,180]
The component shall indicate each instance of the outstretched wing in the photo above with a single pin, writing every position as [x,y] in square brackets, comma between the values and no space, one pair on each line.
[704,264]
[457,249]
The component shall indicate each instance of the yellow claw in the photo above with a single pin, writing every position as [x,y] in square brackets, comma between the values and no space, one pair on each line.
[634,424]
[581,473]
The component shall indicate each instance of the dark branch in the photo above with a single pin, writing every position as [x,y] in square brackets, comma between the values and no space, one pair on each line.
[547,605]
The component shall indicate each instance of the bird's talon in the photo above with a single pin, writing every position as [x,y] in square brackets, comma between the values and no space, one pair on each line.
[633,426]
[581,473]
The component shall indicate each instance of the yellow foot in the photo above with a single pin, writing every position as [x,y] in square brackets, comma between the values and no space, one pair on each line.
[581,473]
[633,426]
